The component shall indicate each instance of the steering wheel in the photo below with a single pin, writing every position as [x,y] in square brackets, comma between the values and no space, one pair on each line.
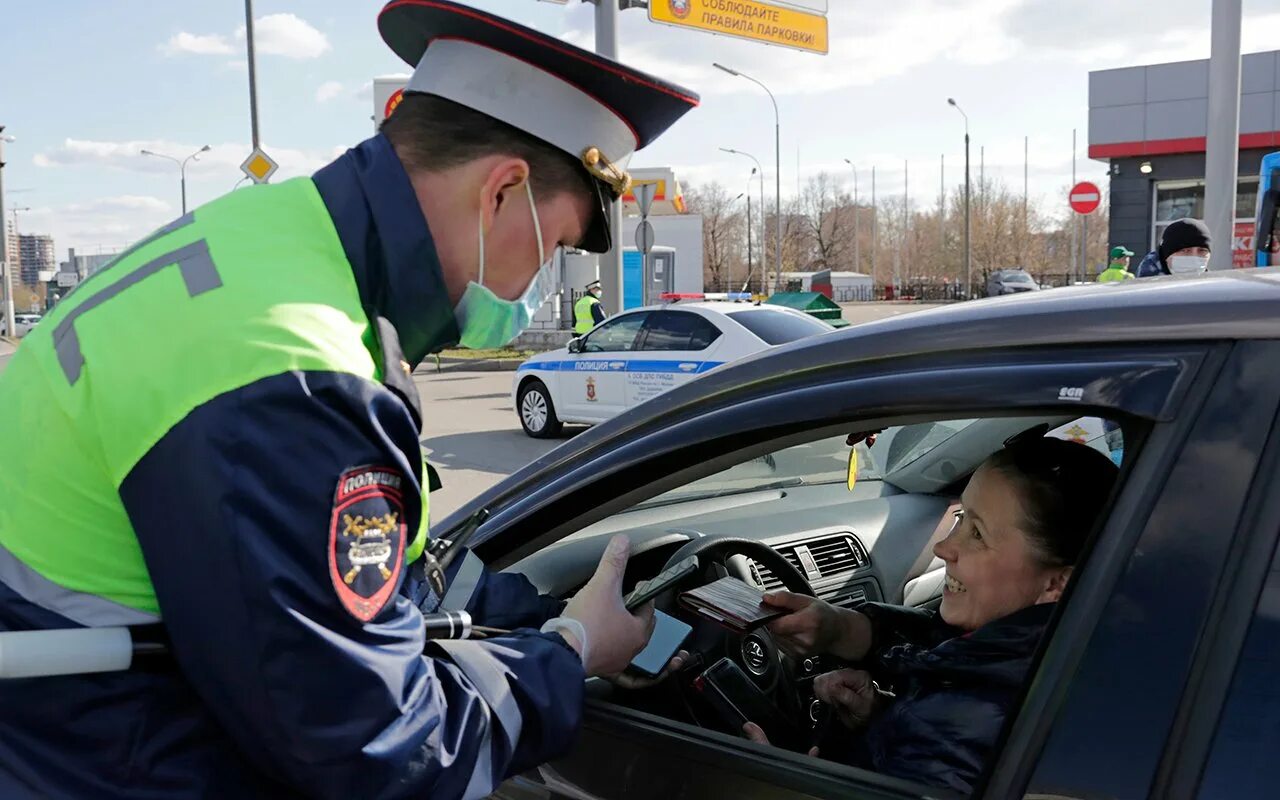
[755,652]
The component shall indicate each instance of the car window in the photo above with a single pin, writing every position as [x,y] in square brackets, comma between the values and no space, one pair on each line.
[1248,734]
[615,335]
[823,461]
[678,330]
[779,327]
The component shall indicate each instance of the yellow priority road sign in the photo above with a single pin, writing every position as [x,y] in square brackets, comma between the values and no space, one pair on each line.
[746,19]
[259,166]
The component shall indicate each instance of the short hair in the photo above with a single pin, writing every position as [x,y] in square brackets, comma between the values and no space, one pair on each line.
[1063,486]
[434,134]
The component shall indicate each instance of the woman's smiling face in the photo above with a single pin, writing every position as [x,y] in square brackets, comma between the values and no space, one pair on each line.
[993,569]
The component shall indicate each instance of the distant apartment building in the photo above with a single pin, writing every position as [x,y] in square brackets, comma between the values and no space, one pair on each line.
[35,255]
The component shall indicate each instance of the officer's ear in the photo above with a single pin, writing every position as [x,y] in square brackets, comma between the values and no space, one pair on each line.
[503,183]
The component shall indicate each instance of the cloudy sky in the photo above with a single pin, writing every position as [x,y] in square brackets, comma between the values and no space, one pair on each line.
[87,84]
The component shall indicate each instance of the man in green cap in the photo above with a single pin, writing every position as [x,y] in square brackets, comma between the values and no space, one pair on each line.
[1119,268]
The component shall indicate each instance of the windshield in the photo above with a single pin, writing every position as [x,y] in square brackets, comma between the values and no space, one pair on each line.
[823,461]
[1017,277]
[775,327]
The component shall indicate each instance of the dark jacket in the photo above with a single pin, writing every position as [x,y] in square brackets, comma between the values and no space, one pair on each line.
[953,691]
[1150,266]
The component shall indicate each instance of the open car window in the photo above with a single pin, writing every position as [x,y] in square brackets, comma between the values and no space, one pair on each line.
[825,461]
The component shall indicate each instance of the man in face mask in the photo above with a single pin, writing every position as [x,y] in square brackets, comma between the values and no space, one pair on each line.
[1184,249]
[255,493]
[588,312]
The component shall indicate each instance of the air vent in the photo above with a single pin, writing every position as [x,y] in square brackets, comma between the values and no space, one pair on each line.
[838,554]
[765,578]
[833,555]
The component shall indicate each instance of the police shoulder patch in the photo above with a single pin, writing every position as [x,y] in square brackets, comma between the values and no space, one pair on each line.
[367,534]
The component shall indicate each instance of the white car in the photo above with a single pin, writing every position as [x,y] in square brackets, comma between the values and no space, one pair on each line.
[22,324]
[638,354]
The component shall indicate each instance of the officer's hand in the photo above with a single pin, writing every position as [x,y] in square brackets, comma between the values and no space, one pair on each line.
[614,636]
[628,680]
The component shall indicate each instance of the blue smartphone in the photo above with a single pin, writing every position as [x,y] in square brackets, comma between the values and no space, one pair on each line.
[668,634]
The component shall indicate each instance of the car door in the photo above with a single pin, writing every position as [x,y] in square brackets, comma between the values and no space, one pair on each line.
[592,385]
[674,347]
[625,753]
[1128,696]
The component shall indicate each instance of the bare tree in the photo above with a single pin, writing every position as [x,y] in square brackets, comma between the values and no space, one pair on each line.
[723,255]
[828,219]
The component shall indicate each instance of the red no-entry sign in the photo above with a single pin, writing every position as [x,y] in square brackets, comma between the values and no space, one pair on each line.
[1085,197]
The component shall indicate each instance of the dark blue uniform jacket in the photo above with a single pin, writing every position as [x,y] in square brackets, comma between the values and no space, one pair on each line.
[277,690]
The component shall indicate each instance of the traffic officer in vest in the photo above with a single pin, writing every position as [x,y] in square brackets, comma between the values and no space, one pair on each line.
[222,441]
[1118,270]
[587,312]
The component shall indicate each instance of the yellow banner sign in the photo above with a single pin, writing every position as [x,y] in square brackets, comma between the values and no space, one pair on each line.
[746,19]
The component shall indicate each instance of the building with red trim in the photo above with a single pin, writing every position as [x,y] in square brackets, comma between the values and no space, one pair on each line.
[1149,123]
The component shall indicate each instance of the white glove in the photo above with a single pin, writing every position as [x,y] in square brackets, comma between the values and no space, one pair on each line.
[611,636]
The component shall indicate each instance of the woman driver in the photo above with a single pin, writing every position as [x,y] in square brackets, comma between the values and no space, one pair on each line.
[1024,517]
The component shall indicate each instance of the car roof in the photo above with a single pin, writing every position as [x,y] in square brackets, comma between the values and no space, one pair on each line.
[1215,306]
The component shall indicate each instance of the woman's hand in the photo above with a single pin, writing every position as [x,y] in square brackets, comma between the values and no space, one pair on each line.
[851,693]
[756,734]
[815,627]
[810,626]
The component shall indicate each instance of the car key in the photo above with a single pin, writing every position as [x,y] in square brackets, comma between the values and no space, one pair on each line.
[647,590]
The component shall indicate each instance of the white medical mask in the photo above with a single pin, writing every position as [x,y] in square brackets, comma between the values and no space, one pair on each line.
[1185,265]
[486,320]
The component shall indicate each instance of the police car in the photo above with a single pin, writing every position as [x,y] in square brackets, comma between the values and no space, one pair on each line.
[639,354]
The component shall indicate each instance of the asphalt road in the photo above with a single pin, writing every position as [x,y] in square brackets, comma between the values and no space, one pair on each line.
[471,434]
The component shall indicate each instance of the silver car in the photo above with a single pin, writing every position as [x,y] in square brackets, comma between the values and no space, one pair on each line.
[1010,281]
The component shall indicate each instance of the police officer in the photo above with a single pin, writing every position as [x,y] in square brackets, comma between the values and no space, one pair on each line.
[1118,270]
[229,448]
[587,312]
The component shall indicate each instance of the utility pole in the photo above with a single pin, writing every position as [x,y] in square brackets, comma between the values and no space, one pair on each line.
[942,207]
[857,254]
[611,262]
[1075,263]
[906,223]
[253,70]
[750,266]
[10,323]
[875,216]
[968,202]
[1222,151]
[1026,225]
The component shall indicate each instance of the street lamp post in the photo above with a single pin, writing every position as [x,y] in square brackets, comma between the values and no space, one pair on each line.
[182,167]
[857,253]
[968,251]
[750,264]
[764,250]
[777,130]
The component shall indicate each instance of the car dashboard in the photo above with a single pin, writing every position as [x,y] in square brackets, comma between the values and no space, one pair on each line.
[869,544]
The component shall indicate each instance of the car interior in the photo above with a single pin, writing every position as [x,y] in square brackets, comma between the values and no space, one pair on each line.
[829,513]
